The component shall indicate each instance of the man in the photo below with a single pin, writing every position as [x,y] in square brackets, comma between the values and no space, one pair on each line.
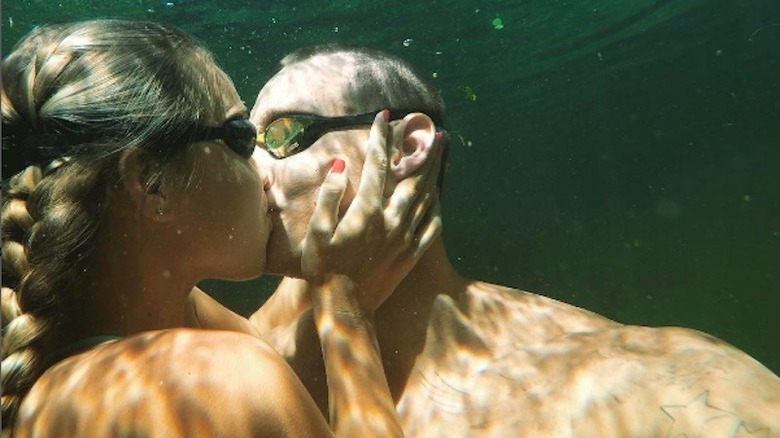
[465,357]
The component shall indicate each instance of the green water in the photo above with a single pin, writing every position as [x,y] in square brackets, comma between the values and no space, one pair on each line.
[619,155]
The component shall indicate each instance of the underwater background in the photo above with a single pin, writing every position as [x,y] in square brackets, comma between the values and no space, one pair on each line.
[622,156]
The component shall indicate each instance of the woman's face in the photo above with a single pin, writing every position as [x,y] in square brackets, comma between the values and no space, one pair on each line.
[223,221]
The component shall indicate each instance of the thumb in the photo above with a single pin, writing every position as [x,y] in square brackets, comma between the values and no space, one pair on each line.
[323,221]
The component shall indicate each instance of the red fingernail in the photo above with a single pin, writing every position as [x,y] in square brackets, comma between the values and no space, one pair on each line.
[386,115]
[337,166]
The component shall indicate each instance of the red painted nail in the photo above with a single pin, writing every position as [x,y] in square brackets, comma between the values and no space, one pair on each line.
[337,166]
[386,115]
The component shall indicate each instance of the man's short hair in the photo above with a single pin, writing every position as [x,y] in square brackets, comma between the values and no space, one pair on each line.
[380,80]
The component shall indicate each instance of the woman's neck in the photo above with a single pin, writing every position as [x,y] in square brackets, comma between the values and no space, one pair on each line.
[135,283]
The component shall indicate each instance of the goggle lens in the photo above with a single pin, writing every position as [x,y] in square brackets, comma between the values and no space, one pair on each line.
[282,137]
[239,135]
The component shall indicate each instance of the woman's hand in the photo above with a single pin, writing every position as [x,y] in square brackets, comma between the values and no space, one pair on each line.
[379,239]
[352,266]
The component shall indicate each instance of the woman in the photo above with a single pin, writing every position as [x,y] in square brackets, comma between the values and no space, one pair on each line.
[131,180]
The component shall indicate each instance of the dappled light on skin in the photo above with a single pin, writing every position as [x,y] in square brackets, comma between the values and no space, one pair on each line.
[155,384]
[507,363]
[358,360]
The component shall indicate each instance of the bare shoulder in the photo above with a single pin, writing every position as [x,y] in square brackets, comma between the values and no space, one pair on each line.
[171,383]
[527,318]
[513,363]
[694,376]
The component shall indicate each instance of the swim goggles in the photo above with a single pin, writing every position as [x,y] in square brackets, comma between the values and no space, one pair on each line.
[22,147]
[291,133]
[238,134]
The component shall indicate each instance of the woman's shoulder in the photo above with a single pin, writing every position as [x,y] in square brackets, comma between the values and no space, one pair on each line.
[172,359]
[171,383]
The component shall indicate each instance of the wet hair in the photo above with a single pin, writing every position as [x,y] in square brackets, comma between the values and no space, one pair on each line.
[378,80]
[75,98]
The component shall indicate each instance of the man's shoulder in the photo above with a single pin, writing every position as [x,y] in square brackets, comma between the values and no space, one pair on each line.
[500,312]
[503,374]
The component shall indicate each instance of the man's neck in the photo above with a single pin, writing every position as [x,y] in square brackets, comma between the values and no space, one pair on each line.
[402,321]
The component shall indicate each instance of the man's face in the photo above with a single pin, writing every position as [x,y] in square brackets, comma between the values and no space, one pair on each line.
[315,88]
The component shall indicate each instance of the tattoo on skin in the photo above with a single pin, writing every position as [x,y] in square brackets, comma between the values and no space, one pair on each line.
[686,420]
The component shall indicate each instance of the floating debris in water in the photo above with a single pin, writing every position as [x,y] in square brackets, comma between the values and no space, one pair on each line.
[10,21]
[408,42]
[498,23]
[169,4]
[467,93]
[435,75]
[463,141]
[755,32]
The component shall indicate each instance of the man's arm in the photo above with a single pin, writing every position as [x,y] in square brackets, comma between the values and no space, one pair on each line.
[202,311]
[286,304]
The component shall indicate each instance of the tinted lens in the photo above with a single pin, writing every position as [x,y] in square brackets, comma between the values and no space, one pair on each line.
[283,136]
[239,135]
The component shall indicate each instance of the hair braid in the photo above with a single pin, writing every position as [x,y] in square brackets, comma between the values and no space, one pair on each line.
[102,87]
[19,330]
[47,241]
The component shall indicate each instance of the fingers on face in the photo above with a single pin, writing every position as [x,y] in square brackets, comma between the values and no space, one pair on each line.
[429,230]
[372,181]
[326,212]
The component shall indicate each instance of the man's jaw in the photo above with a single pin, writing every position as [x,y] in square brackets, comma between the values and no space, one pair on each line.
[284,247]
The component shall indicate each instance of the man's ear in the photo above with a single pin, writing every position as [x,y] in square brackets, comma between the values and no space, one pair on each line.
[413,140]
[136,171]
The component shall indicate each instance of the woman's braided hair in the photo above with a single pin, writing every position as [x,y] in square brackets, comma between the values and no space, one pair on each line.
[74,98]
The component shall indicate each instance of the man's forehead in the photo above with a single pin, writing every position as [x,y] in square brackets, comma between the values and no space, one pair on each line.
[316,86]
